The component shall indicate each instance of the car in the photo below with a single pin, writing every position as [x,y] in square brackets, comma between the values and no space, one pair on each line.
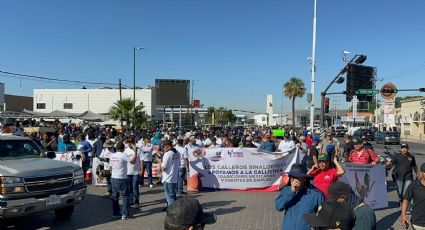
[385,137]
[340,131]
[31,182]
[364,134]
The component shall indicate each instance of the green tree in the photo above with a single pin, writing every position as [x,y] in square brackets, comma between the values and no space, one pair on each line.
[124,110]
[293,88]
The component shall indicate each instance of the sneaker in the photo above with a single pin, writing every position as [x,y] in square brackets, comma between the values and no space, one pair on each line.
[124,218]
[151,186]
[116,216]
[159,182]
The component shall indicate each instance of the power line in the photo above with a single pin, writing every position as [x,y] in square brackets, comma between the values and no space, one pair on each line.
[54,79]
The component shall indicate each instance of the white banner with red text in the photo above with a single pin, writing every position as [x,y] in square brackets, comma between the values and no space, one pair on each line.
[239,168]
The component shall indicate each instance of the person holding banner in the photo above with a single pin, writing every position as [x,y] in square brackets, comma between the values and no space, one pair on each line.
[66,144]
[286,145]
[325,175]
[361,155]
[416,193]
[297,198]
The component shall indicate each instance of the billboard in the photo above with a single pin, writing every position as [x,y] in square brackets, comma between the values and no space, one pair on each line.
[172,92]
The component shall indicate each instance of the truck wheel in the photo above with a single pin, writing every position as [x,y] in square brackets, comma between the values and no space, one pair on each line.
[64,213]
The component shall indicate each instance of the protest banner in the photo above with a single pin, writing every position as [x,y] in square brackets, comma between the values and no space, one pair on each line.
[97,178]
[368,182]
[239,168]
[70,157]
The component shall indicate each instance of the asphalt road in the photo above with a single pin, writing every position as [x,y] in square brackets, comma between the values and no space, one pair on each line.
[235,210]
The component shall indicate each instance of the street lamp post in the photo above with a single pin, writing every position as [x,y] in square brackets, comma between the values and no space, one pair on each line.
[134,74]
[313,70]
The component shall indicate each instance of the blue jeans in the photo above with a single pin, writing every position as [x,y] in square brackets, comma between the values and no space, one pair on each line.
[170,192]
[402,187]
[182,176]
[148,168]
[133,185]
[119,187]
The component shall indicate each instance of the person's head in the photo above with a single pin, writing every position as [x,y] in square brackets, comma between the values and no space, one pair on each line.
[109,144]
[340,191]
[213,139]
[347,137]
[120,146]
[329,136]
[298,175]
[358,144]
[302,139]
[404,148]
[180,141]
[167,145]
[315,140]
[331,215]
[248,140]
[192,140]
[45,136]
[66,139]
[81,137]
[323,161]
[187,214]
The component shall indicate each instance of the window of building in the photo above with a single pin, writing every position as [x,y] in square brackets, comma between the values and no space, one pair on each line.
[67,105]
[141,103]
[41,105]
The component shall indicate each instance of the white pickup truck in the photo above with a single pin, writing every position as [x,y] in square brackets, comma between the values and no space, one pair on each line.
[30,182]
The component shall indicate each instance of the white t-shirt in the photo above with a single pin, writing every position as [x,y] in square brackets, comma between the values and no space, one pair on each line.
[132,169]
[286,146]
[183,155]
[219,141]
[170,165]
[107,155]
[118,162]
[146,152]
[207,141]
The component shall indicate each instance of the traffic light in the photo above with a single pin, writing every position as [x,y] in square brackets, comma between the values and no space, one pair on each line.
[326,105]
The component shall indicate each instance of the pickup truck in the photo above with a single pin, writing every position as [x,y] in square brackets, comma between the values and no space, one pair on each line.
[30,182]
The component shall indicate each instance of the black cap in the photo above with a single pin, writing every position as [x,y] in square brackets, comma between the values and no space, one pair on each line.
[339,188]
[423,167]
[298,170]
[332,215]
[188,211]
[404,145]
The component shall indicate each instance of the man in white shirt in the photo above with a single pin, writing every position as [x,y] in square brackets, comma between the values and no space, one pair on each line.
[145,150]
[286,145]
[118,167]
[170,169]
[133,170]
[184,166]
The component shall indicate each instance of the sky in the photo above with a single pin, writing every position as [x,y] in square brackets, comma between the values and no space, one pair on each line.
[236,52]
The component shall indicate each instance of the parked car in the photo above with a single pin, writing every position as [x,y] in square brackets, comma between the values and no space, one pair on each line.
[364,134]
[340,131]
[31,182]
[385,137]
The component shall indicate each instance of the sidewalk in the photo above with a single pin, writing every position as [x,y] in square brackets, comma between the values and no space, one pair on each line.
[412,139]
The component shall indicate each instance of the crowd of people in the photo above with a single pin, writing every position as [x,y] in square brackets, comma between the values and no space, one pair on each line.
[126,154]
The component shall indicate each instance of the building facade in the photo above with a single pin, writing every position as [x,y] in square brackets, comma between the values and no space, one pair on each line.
[95,100]
[412,117]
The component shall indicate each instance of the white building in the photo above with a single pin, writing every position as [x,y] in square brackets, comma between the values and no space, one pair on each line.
[95,100]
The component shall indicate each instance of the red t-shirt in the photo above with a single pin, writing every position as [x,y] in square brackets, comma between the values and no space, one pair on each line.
[308,141]
[322,179]
[366,157]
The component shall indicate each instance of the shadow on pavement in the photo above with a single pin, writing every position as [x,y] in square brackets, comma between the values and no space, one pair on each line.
[388,221]
[224,211]
[81,218]
[214,204]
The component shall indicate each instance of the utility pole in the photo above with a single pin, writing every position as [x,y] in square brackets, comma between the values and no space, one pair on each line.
[191,102]
[120,90]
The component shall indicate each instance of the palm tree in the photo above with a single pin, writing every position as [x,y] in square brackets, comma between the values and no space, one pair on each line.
[294,88]
[124,110]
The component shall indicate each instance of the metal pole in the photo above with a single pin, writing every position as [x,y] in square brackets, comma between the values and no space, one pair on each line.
[120,90]
[134,76]
[191,108]
[281,107]
[180,117]
[313,70]
[322,109]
